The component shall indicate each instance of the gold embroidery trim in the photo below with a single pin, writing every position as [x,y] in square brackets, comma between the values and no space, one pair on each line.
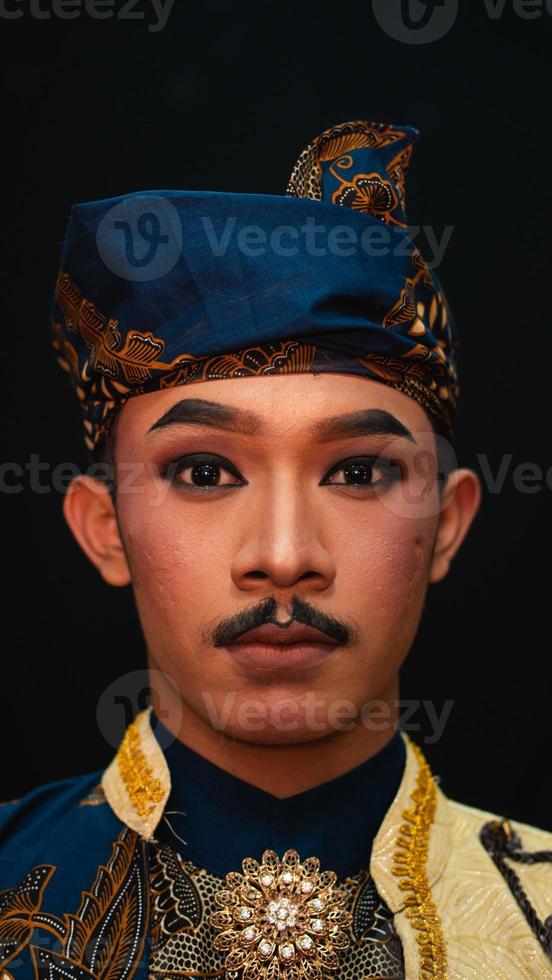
[144,790]
[410,861]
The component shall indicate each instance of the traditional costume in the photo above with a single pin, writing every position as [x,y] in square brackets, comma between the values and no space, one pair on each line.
[165,865]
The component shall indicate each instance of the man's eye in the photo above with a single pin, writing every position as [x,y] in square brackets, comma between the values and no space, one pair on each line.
[205,472]
[364,472]
[202,473]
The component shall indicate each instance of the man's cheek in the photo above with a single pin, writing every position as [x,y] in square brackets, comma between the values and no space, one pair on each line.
[176,575]
[394,565]
[413,556]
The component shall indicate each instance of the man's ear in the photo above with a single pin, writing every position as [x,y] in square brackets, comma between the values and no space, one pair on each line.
[90,513]
[461,500]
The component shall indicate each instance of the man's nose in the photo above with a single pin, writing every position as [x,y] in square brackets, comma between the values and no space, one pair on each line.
[285,538]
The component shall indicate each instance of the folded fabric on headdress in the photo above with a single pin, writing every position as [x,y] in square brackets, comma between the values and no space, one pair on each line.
[164,288]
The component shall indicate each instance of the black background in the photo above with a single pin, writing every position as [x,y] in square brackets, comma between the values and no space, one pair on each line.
[225,98]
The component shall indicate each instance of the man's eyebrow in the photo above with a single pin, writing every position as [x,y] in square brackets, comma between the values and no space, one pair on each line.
[199,411]
[364,422]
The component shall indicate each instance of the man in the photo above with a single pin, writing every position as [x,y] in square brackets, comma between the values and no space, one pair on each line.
[279,522]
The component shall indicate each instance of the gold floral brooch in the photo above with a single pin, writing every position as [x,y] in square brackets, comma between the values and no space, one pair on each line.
[281,919]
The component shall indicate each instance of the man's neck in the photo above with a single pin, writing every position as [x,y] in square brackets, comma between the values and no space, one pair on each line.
[280,769]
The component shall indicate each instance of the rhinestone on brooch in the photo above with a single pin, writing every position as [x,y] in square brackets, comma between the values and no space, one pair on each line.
[281,918]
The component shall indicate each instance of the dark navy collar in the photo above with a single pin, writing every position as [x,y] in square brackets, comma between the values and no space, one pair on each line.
[223,818]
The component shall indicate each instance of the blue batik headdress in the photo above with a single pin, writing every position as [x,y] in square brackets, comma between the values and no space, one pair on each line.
[169,287]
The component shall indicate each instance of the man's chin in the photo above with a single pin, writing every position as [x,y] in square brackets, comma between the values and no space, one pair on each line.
[282,718]
[276,737]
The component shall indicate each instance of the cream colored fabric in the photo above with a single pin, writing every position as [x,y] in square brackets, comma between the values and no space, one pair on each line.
[116,791]
[486,934]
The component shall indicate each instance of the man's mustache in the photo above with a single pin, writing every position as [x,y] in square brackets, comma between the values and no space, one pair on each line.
[230,629]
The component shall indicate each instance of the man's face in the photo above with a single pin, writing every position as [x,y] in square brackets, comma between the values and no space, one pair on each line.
[262,511]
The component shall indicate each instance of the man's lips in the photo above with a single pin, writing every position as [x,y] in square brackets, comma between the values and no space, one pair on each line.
[279,635]
[275,647]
